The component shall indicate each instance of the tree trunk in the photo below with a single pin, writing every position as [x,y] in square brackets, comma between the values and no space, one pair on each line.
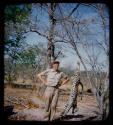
[51,46]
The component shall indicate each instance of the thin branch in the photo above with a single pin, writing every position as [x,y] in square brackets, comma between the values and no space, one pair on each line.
[60,41]
[90,5]
[58,54]
[74,9]
[66,18]
[36,31]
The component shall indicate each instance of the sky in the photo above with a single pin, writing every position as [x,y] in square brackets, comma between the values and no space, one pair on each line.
[71,59]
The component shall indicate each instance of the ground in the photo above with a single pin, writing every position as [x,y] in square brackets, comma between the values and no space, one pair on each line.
[28,105]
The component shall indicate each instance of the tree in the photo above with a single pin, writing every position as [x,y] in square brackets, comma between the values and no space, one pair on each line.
[12,48]
[14,14]
[50,33]
[75,29]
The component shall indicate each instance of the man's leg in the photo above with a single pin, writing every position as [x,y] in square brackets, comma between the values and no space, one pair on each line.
[48,99]
[54,104]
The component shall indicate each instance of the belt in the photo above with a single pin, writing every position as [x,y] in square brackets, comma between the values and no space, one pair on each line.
[57,86]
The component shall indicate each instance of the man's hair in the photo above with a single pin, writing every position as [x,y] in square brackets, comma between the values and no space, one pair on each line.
[55,62]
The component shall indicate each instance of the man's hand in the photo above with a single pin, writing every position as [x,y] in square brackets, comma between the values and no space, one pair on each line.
[65,81]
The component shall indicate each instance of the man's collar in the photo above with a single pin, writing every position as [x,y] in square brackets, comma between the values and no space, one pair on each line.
[54,70]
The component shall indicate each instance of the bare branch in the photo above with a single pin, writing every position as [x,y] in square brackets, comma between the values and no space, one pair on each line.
[66,18]
[74,9]
[36,31]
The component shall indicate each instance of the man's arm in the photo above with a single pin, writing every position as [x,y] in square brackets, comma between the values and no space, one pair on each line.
[40,77]
[66,80]
[42,74]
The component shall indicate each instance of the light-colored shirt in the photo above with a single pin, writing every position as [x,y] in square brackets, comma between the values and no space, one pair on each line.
[53,77]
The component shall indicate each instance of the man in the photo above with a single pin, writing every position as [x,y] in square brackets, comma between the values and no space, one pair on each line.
[55,78]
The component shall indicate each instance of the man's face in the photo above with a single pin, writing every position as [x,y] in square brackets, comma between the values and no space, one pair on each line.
[56,66]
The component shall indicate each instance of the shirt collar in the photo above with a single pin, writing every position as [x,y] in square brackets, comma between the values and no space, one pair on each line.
[54,71]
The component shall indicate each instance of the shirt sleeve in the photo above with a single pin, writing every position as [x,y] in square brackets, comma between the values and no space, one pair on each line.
[44,72]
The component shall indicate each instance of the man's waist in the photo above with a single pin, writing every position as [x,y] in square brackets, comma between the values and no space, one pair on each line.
[55,85]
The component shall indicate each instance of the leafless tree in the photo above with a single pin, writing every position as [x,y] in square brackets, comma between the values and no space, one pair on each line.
[50,32]
[74,28]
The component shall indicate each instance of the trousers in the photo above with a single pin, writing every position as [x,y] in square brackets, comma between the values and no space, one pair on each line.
[51,100]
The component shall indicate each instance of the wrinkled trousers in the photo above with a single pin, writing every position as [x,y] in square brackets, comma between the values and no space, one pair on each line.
[51,99]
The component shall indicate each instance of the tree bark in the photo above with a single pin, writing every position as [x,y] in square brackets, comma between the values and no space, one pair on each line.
[51,46]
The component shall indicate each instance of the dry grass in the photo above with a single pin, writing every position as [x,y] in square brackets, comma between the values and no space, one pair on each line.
[33,101]
[26,95]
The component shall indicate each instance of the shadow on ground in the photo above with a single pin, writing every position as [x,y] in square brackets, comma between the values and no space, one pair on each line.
[68,117]
[8,111]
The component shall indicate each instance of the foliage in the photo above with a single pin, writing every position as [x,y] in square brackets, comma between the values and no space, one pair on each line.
[17,13]
[27,60]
